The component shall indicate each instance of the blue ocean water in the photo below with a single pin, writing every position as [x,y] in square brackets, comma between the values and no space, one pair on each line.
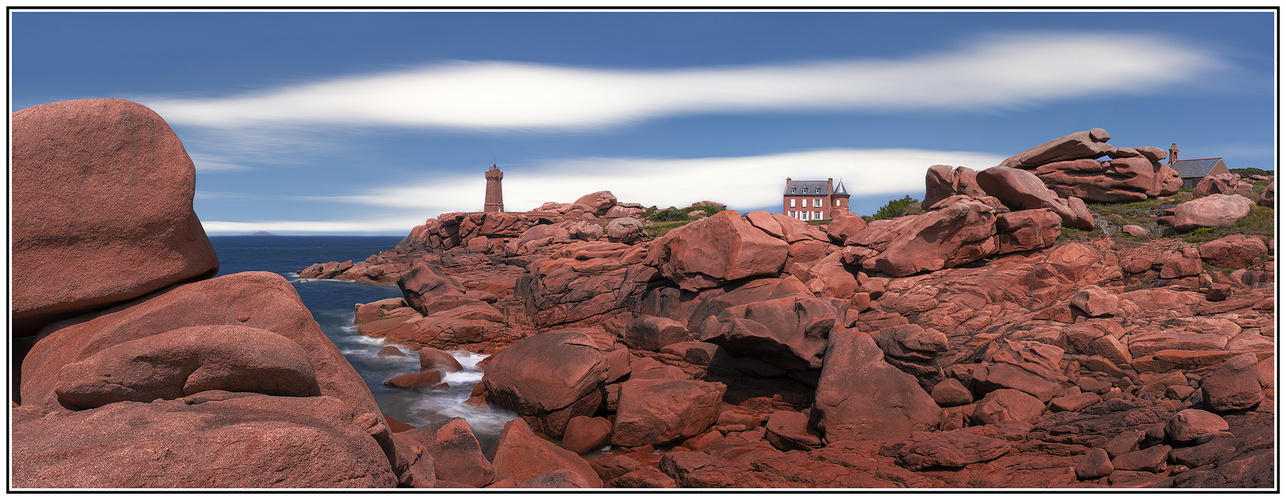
[332,305]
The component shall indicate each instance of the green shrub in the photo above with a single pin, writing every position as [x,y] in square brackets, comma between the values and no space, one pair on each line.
[893,209]
[668,215]
[1249,171]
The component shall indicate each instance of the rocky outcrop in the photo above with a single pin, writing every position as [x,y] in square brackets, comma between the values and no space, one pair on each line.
[213,439]
[943,181]
[1223,184]
[160,378]
[1070,167]
[81,226]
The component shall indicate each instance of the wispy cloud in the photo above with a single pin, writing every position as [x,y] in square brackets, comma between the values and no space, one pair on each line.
[740,182]
[996,71]
[214,163]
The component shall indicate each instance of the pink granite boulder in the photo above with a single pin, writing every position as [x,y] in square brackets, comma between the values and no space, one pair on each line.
[520,453]
[861,397]
[713,251]
[656,411]
[102,210]
[548,379]
[1233,251]
[185,361]
[1216,210]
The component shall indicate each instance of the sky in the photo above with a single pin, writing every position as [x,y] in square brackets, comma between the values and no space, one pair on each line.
[371,122]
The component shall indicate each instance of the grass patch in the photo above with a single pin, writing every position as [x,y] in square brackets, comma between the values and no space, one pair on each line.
[1068,234]
[819,222]
[658,230]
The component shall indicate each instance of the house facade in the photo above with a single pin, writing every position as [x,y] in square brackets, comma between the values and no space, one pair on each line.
[813,200]
[1192,171]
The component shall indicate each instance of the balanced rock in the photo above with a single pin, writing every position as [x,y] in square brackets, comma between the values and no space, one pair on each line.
[1118,180]
[1087,144]
[600,202]
[259,300]
[102,210]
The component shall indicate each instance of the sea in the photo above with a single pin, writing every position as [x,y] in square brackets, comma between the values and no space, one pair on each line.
[332,305]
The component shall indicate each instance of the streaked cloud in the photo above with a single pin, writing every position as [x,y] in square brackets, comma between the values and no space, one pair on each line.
[214,163]
[743,183]
[991,72]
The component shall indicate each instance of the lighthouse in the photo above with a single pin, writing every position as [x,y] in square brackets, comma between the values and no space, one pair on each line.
[495,201]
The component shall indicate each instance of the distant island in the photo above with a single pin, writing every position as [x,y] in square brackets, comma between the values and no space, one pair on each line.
[261,233]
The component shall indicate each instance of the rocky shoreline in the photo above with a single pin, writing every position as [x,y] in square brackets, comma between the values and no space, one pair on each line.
[974,345]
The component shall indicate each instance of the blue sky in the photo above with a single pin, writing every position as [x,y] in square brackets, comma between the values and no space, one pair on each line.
[348,122]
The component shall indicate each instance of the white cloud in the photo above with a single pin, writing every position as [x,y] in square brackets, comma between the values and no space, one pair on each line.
[998,71]
[376,225]
[214,163]
[741,182]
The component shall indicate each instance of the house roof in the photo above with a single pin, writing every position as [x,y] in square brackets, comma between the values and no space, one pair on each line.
[1189,169]
[806,188]
[839,189]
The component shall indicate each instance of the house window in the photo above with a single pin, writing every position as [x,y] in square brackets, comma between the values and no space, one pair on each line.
[803,216]
[817,202]
[792,203]
[817,215]
[792,214]
[837,203]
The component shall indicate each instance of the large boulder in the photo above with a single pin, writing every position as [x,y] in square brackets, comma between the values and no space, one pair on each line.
[1233,251]
[1234,385]
[1117,180]
[520,453]
[214,439]
[260,300]
[102,210]
[428,290]
[455,450]
[1023,190]
[1216,210]
[946,237]
[584,282]
[548,379]
[789,332]
[1223,184]
[942,182]
[655,411]
[1089,144]
[861,397]
[600,202]
[713,251]
[186,361]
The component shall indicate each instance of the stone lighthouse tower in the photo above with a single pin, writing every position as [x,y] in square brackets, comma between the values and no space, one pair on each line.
[495,201]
